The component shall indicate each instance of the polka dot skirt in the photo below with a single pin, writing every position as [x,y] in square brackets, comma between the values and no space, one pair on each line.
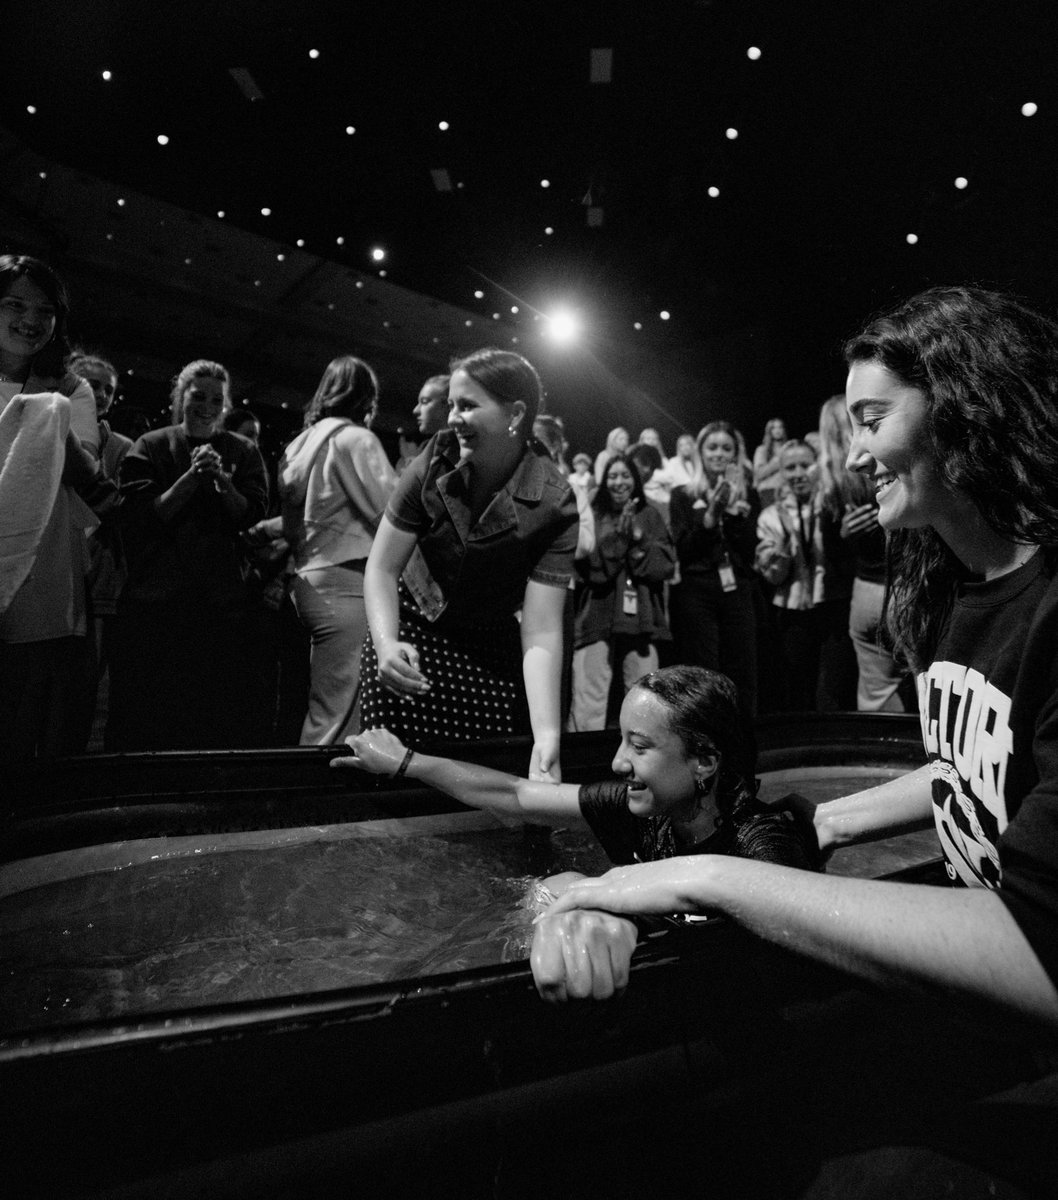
[476,676]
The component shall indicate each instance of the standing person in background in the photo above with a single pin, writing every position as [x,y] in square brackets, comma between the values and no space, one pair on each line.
[481,525]
[334,483]
[767,471]
[431,408]
[621,614]
[186,664]
[616,443]
[714,526]
[852,535]
[679,469]
[49,458]
[106,554]
[244,423]
[811,593]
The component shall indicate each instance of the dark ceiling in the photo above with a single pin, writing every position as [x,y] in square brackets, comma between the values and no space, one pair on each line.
[853,125]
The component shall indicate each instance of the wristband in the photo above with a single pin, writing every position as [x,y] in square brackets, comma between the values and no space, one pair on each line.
[404,762]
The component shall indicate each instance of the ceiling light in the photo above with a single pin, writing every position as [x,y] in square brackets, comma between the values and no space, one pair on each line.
[1027,110]
[753,53]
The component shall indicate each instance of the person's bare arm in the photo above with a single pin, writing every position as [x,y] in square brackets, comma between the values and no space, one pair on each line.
[959,939]
[381,753]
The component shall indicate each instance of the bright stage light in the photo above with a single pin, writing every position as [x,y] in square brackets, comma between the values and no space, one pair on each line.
[563,327]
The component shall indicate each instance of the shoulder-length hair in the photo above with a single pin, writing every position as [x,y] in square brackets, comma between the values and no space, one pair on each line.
[602,501]
[49,361]
[201,368]
[699,484]
[988,367]
[348,388]
[508,378]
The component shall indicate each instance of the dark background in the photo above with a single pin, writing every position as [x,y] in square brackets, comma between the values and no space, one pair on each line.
[853,125]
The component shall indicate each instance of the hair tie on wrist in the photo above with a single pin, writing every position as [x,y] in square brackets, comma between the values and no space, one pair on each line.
[404,762]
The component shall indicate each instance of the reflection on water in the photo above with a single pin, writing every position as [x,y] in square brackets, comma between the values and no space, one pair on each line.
[246,924]
[168,924]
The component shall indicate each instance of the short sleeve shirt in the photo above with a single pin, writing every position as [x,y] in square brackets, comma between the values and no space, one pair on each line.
[528,531]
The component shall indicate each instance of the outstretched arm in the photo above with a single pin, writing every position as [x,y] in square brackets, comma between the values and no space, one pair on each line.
[962,940]
[381,753]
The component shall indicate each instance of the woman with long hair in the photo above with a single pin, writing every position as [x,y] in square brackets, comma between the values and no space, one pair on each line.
[482,525]
[49,459]
[767,472]
[953,397]
[715,604]
[617,442]
[334,482]
[620,616]
[186,664]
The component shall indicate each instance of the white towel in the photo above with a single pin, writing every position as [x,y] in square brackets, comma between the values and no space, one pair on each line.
[32,453]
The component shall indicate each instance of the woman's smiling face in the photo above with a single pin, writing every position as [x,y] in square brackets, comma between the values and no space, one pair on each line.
[620,484]
[203,405]
[718,450]
[27,322]
[481,423]
[652,757]
[891,444]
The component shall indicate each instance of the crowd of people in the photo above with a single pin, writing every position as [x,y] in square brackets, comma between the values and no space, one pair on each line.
[284,601]
[899,555]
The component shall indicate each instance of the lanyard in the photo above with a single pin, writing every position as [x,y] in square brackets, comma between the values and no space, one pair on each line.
[808,545]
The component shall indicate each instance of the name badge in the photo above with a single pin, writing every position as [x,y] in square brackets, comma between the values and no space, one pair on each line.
[727,576]
[631,602]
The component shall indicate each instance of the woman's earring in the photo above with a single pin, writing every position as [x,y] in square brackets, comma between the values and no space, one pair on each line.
[701,787]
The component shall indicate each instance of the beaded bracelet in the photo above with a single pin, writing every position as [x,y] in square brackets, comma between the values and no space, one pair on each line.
[404,762]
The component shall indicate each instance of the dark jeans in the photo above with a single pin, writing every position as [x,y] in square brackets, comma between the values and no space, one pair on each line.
[818,658]
[717,629]
[41,692]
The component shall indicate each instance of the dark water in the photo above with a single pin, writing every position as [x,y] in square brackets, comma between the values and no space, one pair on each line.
[164,925]
[238,924]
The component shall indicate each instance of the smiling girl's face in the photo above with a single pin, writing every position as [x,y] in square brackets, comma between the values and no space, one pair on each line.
[653,760]
[27,322]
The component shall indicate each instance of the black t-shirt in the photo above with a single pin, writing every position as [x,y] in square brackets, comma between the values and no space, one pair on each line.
[746,830]
[989,713]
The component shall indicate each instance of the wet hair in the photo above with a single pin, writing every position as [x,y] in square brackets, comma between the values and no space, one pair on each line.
[201,368]
[988,366]
[347,388]
[838,485]
[508,378]
[699,484]
[602,501]
[647,458]
[50,360]
[703,713]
